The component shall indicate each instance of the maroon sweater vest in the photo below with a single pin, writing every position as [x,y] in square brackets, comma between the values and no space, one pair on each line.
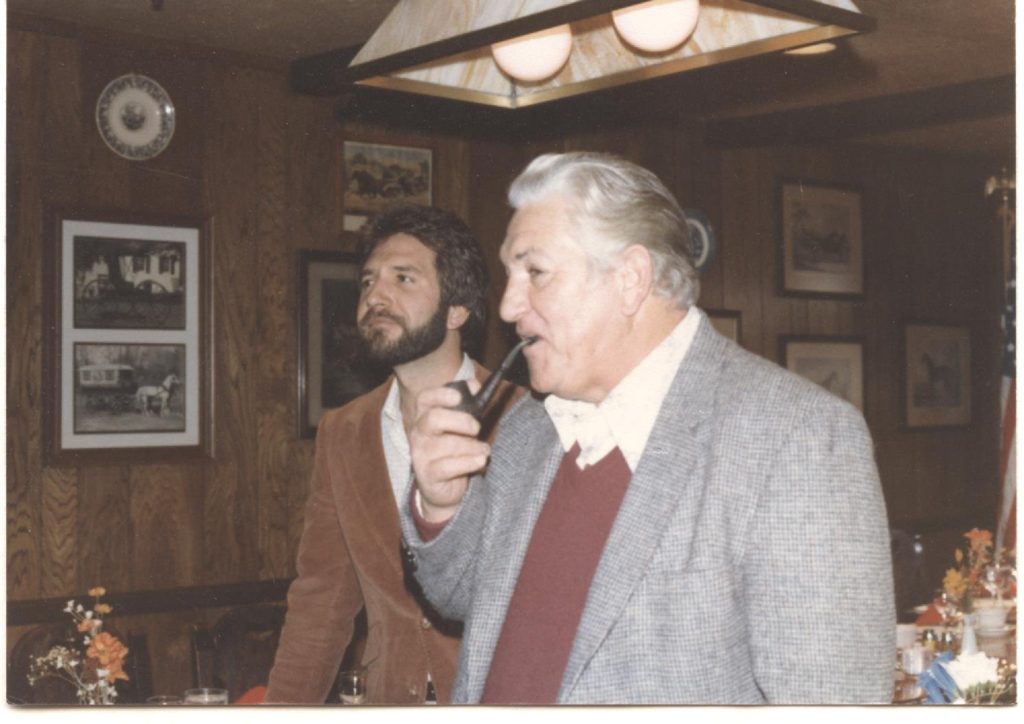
[551,591]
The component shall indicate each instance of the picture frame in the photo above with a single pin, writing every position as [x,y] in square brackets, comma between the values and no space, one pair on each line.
[821,240]
[834,363]
[375,175]
[726,322]
[331,367]
[937,375]
[127,353]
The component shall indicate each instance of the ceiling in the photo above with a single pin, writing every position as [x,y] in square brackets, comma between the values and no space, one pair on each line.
[918,45]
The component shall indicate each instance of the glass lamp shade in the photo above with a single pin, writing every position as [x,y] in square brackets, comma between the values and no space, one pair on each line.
[657,26]
[534,57]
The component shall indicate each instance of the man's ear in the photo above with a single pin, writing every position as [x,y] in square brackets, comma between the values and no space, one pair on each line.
[635,274]
[457,316]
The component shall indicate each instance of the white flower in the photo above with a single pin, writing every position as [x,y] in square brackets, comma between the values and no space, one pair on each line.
[970,670]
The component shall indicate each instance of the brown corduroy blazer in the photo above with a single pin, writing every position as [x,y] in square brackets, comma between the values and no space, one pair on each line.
[350,557]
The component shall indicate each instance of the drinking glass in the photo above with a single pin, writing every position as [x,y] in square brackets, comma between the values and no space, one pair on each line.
[206,696]
[352,686]
[164,700]
[915,660]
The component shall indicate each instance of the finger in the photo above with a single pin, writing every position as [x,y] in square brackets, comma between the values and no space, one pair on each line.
[436,397]
[444,421]
[453,467]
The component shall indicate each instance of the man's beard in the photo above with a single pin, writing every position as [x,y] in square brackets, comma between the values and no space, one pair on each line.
[410,345]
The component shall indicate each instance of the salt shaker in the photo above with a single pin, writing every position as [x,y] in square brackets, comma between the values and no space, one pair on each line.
[930,639]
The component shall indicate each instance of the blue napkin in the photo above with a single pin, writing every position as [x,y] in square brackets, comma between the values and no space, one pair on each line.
[937,684]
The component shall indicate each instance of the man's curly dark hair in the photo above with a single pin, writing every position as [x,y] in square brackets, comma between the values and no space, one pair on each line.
[460,263]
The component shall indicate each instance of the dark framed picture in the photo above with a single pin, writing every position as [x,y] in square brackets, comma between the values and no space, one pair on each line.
[332,367]
[834,363]
[376,175]
[128,365]
[822,245]
[726,322]
[937,375]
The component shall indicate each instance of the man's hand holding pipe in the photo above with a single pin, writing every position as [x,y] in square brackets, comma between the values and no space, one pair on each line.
[445,452]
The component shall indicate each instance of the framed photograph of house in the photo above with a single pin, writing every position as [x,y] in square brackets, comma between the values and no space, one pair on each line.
[332,367]
[375,175]
[127,359]
[937,375]
[726,322]
[822,245]
[835,363]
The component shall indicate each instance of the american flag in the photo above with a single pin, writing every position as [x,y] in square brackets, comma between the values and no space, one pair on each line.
[1006,528]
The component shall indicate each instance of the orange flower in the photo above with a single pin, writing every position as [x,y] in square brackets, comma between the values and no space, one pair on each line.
[88,624]
[954,583]
[109,652]
[97,591]
[980,539]
[103,608]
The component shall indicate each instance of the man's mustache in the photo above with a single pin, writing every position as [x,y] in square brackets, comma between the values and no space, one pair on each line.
[371,316]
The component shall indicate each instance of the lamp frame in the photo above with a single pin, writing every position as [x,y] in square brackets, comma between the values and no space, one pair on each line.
[324,74]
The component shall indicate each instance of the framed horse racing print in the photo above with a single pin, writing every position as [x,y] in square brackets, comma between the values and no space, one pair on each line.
[937,375]
[376,175]
[127,353]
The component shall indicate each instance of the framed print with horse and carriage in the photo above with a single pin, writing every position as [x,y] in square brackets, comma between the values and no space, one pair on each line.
[128,350]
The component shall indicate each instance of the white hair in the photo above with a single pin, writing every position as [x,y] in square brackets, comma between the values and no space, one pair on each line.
[615,204]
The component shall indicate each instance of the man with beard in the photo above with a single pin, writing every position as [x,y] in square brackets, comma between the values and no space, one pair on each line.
[422,300]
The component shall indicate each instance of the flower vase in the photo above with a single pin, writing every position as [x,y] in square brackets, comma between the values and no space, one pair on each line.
[968,641]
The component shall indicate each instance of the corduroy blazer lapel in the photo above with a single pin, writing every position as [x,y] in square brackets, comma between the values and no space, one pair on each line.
[667,484]
[363,492]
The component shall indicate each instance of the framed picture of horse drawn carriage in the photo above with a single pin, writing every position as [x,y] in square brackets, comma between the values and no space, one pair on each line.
[937,376]
[376,175]
[127,352]
[822,245]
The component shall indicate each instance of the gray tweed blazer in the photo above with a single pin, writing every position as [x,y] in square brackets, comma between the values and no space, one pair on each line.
[749,562]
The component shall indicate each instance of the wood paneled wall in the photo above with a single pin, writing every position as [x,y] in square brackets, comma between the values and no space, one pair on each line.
[264,164]
[933,254]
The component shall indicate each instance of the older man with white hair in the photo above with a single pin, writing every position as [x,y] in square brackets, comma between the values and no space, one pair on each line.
[678,521]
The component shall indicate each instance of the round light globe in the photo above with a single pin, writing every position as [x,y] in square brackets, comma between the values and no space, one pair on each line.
[534,57]
[657,26]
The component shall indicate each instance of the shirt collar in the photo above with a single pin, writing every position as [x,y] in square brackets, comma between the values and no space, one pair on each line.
[392,409]
[626,416]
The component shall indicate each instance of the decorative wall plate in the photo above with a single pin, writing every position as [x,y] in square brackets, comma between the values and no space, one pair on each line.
[702,238]
[135,117]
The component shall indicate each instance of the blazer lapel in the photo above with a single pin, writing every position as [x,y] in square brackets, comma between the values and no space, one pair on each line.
[667,479]
[366,489]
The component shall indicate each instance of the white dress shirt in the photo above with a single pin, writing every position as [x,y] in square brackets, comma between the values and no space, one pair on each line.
[396,443]
[626,416]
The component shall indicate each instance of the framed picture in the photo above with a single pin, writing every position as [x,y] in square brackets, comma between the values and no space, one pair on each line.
[377,175]
[726,322]
[332,368]
[835,363]
[127,356]
[937,375]
[821,241]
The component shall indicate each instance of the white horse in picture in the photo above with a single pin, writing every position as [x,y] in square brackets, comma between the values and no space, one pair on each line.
[157,396]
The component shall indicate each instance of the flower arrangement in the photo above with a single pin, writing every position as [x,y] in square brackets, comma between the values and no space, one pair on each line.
[979,572]
[969,679]
[95,674]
